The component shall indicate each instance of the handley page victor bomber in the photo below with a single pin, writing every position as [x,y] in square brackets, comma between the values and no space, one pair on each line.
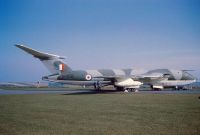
[121,79]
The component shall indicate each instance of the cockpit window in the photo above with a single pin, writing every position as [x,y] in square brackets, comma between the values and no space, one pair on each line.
[187,76]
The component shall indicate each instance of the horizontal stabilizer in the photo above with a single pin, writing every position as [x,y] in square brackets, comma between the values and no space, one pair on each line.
[37,54]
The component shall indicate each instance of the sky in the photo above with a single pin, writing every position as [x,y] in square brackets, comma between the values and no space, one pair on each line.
[95,34]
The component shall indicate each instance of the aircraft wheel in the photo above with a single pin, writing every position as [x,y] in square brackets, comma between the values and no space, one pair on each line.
[157,89]
[97,85]
[120,88]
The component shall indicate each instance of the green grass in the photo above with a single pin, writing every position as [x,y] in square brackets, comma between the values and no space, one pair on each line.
[40,88]
[100,114]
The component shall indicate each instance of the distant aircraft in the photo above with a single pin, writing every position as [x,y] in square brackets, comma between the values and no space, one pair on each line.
[121,79]
[159,79]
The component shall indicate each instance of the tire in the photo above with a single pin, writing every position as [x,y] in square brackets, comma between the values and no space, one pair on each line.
[119,88]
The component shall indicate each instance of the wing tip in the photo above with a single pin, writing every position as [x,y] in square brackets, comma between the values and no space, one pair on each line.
[20,46]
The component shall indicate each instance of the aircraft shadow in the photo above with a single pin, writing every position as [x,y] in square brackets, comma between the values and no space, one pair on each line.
[92,92]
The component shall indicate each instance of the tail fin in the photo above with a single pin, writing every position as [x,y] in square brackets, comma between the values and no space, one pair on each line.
[54,63]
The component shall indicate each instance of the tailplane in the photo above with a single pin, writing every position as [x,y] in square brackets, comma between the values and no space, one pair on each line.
[54,63]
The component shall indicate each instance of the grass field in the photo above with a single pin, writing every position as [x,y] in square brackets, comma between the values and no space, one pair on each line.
[99,114]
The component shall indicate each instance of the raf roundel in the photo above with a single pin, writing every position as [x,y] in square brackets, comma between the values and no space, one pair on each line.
[88,77]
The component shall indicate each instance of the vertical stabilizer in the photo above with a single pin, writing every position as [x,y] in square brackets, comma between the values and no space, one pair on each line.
[53,63]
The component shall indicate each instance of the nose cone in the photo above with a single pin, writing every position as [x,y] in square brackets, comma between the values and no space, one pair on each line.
[139,83]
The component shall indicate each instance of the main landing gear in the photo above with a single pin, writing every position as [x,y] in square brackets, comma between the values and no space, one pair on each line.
[130,90]
[97,85]
[126,90]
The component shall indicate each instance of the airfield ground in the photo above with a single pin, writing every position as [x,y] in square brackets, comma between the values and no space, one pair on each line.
[97,114]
